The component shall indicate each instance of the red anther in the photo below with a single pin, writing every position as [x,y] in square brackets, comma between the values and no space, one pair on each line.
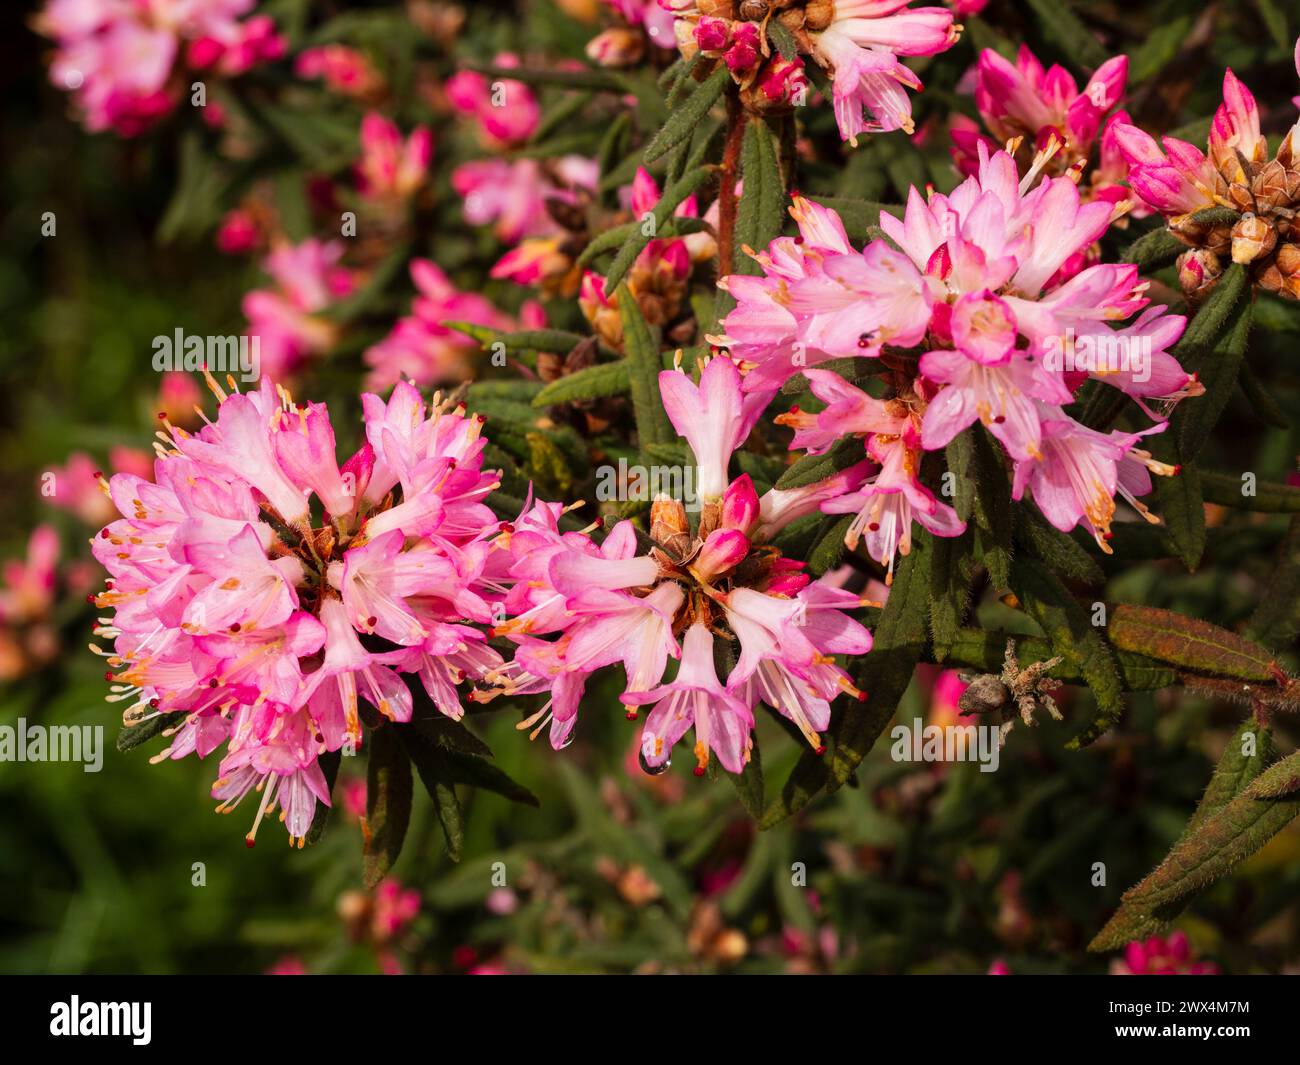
[234,627]
[820,750]
[212,683]
[108,675]
[99,474]
[162,415]
[630,715]
[371,621]
[91,599]
[699,770]
[999,419]
[250,842]
[104,534]
[153,703]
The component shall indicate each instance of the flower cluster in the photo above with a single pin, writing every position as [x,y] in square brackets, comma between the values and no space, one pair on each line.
[716,593]
[1031,107]
[260,591]
[506,112]
[421,349]
[858,41]
[124,59]
[1233,203]
[641,23]
[988,287]
[286,319]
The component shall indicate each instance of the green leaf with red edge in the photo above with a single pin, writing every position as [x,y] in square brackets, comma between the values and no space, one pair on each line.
[1187,642]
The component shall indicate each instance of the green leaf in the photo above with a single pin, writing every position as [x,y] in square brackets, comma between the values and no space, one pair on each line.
[644,367]
[1068,32]
[329,765]
[780,36]
[991,505]
[749,784]
[1182,508]
[1196,417]
[196,204]
[1278,780]
[1213,318]
[1219,843]
[813,468]
[388,803]
[829,549]
[1162,44]
[1074,638]
[1240,763]
[1275,22]
[368,295]
[1276,620]
[642,234]
[1187,642]
[1059,551]
[133,735]
[688,114]
[761,210]
[1154,250]
[898,642]
[1258,396]
[983,650]
[951,570]
[605,379]
[1268,497]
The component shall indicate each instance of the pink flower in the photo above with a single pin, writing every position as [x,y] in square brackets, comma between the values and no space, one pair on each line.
[991,283]
[239,232]
[1161,956]
[226,607]
[421,349]
[695,699]
[392,169]
[121,59]
[344,69]
[285,319]
[513,195]
[1042,106]
[715,417]
[507,112]
[862,45]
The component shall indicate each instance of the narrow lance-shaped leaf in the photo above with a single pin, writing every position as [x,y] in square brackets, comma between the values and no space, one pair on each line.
[1187,642]
[644,366]
[388,803]
[688,114]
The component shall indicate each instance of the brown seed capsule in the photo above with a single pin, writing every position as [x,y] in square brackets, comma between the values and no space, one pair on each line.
[669,525]
[1252,238]
[717,8]
[753,10]
[1288,259]
[819,14]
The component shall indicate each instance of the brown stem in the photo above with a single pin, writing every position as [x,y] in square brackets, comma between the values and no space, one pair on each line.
[727,191]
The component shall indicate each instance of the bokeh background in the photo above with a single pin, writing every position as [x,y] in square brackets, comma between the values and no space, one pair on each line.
[914,869]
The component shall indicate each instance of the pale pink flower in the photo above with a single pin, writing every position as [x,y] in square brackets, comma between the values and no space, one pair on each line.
[345,70]
[220,610]
[421,349]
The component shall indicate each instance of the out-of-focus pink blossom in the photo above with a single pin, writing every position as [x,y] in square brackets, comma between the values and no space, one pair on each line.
[392,169]
[507,112]
[345,70]
[1162,956]
[421,349]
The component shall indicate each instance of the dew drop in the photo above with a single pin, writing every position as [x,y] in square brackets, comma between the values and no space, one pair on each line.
[653,770]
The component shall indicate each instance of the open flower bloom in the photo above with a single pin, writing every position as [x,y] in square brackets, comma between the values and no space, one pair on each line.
[991,284]
[574,606]
[858,42]
[285,319]
[1033,107]
[124,60]
[246,571]
[507,112]
[421,349]
[1261,195]
[392,169]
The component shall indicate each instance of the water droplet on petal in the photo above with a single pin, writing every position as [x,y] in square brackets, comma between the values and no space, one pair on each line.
[653,770]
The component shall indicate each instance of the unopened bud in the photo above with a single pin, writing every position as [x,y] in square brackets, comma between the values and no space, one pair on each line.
[819,14]
[712,34]
[1252,238]
[620,46]
[1198,271]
